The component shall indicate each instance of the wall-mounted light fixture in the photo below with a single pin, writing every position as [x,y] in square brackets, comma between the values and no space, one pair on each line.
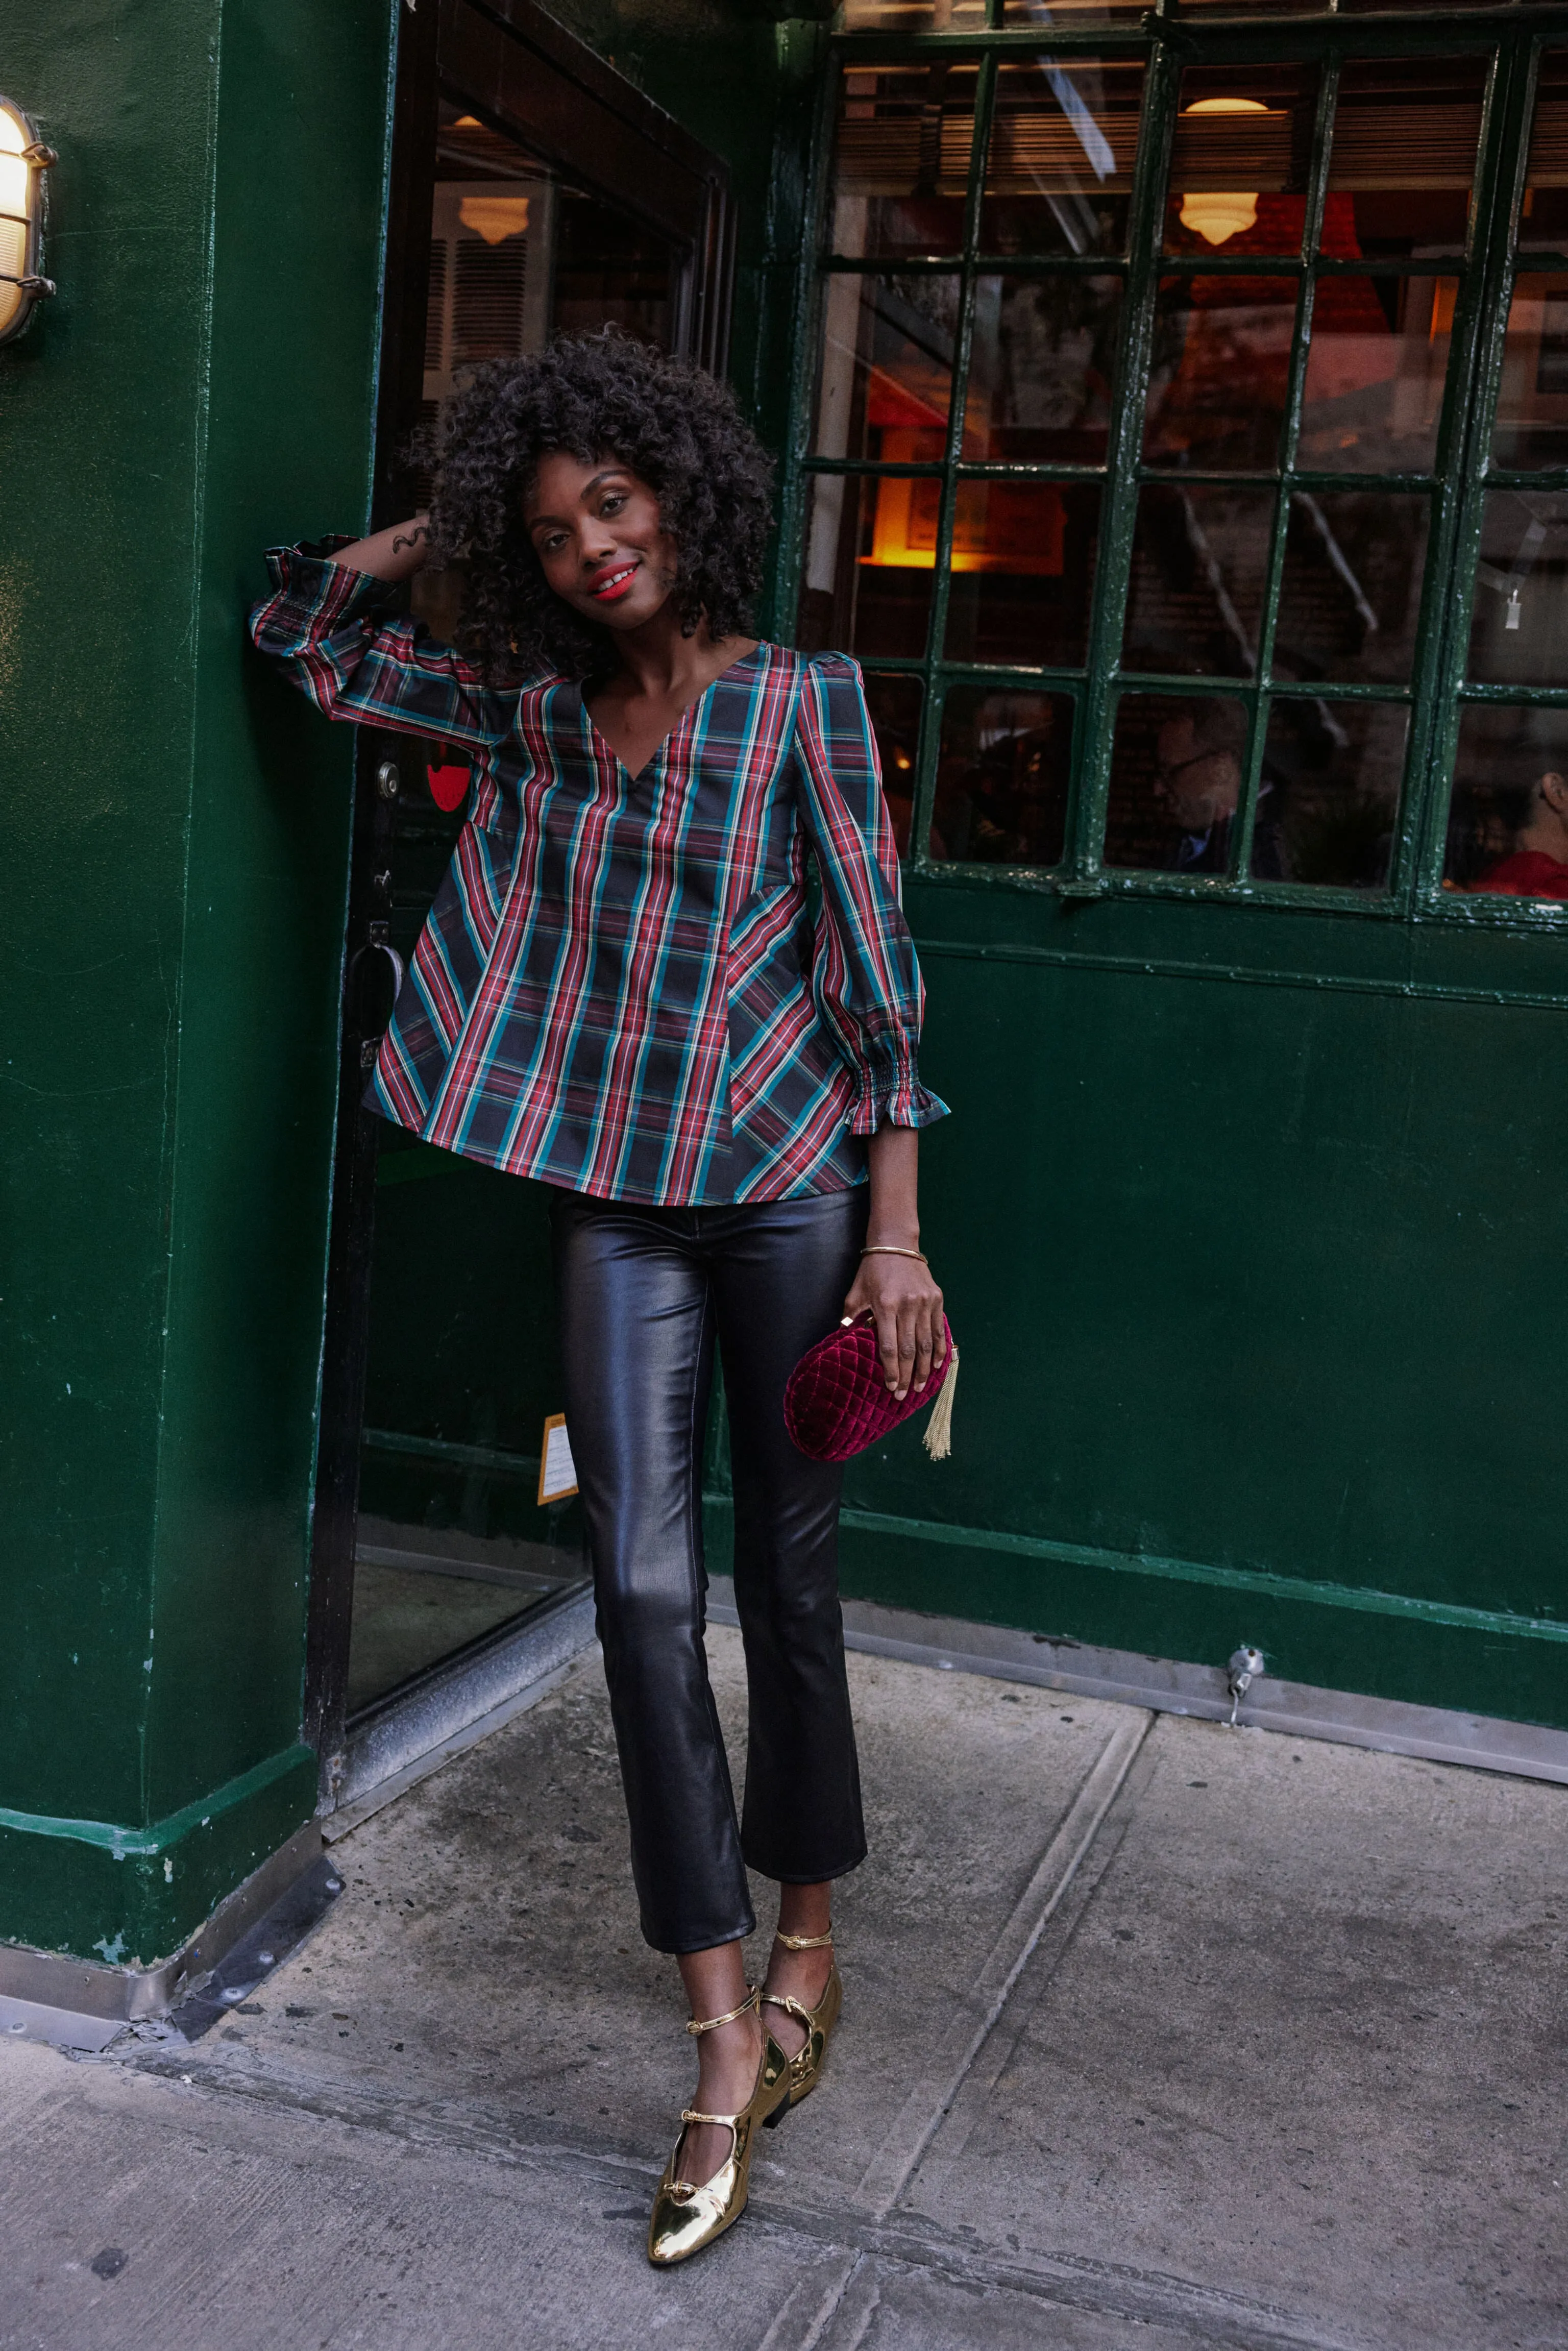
[23,160]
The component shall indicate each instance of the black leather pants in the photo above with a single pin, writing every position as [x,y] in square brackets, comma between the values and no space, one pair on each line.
[643,1293]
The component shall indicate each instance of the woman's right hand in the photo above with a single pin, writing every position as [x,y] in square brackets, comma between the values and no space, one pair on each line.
[394,554]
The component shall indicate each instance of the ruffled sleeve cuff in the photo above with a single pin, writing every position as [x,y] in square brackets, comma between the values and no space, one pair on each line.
[892,1095]
[311,595]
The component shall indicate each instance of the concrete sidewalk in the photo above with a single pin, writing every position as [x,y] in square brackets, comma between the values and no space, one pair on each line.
[1156,2034]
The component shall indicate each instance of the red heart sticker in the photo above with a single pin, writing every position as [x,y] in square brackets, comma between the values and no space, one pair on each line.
[448,786]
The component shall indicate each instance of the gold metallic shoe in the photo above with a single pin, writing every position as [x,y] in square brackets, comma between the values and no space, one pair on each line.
[686,2218]
[806,2065]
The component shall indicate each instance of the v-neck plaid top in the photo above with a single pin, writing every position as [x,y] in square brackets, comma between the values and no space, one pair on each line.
[619,988]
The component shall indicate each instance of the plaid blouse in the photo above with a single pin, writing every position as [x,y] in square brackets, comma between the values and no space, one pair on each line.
[619,988]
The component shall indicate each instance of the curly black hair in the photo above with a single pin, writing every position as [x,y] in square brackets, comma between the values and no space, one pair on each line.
[593,396]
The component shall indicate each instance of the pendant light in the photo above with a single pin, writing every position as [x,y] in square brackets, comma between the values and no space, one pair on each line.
[1225,213]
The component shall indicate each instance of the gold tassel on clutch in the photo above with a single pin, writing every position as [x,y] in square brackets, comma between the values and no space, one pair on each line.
[938,1439]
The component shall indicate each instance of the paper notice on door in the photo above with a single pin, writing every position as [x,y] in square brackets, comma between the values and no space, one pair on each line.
[558,1472]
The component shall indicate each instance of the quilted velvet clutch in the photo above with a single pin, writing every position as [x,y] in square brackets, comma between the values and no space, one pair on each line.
[836,1401]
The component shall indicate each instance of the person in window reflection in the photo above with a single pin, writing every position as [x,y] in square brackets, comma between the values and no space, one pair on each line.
[1200,751]
[1537,865]
[624,991]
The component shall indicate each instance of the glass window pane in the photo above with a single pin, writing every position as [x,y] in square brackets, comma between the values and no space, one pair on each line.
[886,377]
[1404,156]
[913,16]
[1239,163]
[1041,365]
[1064,137]
[1176,767]
[1002,777]
[895,707]
[1375,370]
[870,557]
[1023,572]
[1350,591]
[1053,14]
[1532,428]
[901,169]
[1543,214]
[1251,8]
[1517,632]
[1413,7]
[1329,793]
[1220,368]
[1200,561]
[1508,821]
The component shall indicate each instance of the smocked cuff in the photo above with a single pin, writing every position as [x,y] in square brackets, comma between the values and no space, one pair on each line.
[309,586]
[893,1098]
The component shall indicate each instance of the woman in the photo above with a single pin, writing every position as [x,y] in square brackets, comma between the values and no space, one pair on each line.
[619,992]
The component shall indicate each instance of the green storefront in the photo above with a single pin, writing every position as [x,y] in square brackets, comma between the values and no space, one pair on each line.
[1163,399]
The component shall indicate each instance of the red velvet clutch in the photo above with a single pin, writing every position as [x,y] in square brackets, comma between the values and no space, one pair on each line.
[837,1402]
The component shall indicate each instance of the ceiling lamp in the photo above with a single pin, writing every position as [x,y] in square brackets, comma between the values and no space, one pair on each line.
[1226,213]
[23,160]
[495,217]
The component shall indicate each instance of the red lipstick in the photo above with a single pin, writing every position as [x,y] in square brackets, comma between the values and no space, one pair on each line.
[609,586]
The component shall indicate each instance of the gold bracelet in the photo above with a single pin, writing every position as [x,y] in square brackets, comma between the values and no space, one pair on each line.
[886,1248]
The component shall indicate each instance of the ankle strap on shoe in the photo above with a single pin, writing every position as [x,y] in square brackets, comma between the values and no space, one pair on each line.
[748,2007]
[803,1942]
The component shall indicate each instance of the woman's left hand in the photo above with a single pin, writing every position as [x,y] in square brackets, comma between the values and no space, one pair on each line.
[907,1308]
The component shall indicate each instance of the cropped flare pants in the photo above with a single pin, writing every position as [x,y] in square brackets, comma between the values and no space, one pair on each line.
[644,1294]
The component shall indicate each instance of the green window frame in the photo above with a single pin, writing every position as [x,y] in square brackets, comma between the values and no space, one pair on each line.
[1512,42]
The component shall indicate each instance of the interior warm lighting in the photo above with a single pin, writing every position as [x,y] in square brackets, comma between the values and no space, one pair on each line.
[997,526]
[23,160]
[1225,213]
[494,218]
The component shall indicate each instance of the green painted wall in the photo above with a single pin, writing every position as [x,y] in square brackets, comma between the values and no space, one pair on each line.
[173,884]
[1251,1231]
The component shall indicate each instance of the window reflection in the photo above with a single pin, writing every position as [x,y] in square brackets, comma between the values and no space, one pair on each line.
[1516,627]
[1404,154]
[1040,367]
[1077,13]
[914,15]
[1331,772]
[1508,821]
[886,377]
[1023,572]
[902,166]
[1238,161]
[1532,428]
[1200,565]
[1176,770]
[1375,371]
[1328,789]
[1252,8]
[1543,214]
[1413,7]
[1064,137]
[1002,777]
[870,564]
[1220,373]
[1350,591]
[895,707]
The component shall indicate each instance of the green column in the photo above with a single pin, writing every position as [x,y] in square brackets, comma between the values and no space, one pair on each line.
[176,843]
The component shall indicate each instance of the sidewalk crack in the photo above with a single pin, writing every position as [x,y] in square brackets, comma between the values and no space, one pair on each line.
[977,2014]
